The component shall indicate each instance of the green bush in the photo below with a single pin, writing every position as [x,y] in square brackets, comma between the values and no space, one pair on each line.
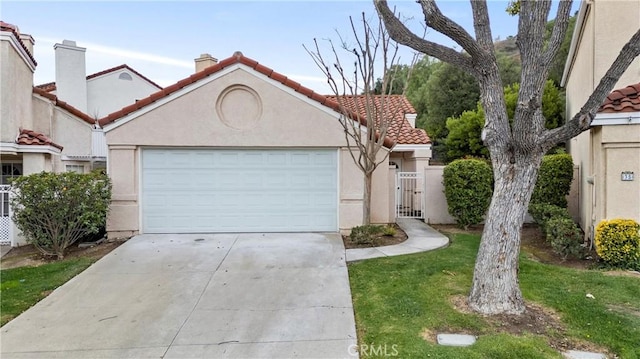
[389,231]
[468,186]
[554,180]
[54,210]
[565,237]
[618,242]
[543,212]
[364,235]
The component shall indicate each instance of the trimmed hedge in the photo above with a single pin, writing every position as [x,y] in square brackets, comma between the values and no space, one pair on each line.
[554,180]
[468,187]
[543,212]
[618,242]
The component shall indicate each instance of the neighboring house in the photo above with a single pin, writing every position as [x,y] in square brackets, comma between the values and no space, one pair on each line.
[47,128]
[608,154]
[238,147]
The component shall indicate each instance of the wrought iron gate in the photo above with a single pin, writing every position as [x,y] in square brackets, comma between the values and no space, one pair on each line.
[409,195]
[5,216]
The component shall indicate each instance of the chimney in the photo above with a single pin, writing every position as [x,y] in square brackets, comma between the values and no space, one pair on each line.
[71,74]
[204,61]
[411,117]
[28,42]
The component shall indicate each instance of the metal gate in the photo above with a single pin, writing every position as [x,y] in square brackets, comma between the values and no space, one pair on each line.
[5,216]
[409,195]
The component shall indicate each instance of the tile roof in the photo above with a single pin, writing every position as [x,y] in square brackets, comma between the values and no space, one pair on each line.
[622,100]
[236,58]
[72,110]
[16,32]
[51,86]
[396,108]
[33,138]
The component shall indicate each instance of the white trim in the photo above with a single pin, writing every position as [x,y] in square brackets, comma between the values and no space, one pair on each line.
[14,148]
[9,36]
[620,118]
[575,39]
[410,147]
[338,189]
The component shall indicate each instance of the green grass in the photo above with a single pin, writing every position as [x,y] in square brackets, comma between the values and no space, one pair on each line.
[21,288]
[398,298]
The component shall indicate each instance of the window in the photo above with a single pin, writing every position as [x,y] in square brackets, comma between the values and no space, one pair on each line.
[125,76]
[75,168]
[10,170]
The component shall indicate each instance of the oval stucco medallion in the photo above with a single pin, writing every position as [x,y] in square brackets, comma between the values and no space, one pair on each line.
[239,107]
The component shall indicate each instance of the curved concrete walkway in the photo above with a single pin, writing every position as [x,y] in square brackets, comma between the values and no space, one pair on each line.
[422,238]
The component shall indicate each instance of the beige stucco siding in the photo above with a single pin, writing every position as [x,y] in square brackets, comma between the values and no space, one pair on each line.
[236,110]
[194,119]
[607,27]
[15,93]
[108,93]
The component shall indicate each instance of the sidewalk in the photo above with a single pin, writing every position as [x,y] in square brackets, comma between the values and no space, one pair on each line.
[422,238]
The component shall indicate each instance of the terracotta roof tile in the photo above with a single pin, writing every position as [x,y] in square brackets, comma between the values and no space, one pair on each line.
[16,32]
[417,136]
[622,100]
[397,106]
[33,138]
[51,86]
[72,110]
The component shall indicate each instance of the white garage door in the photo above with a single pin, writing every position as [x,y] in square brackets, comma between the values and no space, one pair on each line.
[194,191]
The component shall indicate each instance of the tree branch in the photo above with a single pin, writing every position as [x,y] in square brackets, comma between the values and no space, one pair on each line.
[436,20]
[559,31]
[481,25]
[400,33]
[582,120]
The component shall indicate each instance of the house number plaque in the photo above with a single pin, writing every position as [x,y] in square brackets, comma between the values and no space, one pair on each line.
[627,176]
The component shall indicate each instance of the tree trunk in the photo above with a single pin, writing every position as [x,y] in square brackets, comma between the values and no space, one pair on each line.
[495,287]
[366,199]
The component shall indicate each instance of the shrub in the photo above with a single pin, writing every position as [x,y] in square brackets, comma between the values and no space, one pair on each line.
[54,210]
[618,242]
[565,237]
[468,189]
[389,231]
[554,180]
[543,212]
[365,234]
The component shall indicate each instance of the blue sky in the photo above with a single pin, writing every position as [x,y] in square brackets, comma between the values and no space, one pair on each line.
[160,39]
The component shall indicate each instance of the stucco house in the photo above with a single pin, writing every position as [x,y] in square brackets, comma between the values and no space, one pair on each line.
[239,147]
[47,128]
[608,154]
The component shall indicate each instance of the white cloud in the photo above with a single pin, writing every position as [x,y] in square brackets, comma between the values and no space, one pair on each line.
[124,53]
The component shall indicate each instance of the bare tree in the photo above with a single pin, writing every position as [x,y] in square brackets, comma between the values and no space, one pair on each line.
[516,149]
[367,118]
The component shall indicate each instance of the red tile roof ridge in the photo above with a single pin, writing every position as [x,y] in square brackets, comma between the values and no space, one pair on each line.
[236,58]
[33,138]
[5,26]
[626,99]
[67,107]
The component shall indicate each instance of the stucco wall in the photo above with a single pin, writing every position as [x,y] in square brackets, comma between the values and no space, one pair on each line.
[436,210]
[235,110]
[608,26]
[16,81]
[108,93]
[620,151]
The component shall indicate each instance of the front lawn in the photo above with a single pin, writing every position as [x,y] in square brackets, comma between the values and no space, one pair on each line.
[401,303]
[21,288]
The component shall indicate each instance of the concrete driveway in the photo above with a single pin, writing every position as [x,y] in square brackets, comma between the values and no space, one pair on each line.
[198,296]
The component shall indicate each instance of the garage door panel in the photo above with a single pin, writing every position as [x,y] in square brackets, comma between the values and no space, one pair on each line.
[239,190]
